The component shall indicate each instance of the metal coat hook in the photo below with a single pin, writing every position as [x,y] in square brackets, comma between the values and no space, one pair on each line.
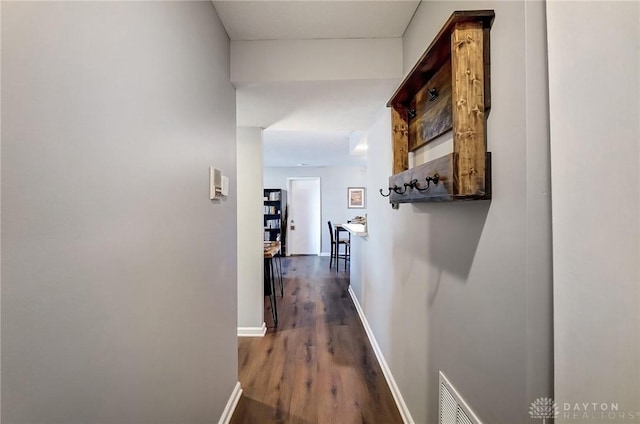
[433,94]
[413,184]
[397,189]
[394,188]
[429,180]
[411,113]
[423,189]
[386,195]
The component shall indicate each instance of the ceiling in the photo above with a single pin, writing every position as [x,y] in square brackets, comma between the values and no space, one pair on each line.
[309,148]
[303,19]
[310,122]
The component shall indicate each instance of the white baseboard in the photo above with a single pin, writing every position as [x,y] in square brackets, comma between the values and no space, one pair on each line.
[325,253]
[252,331]
[230,408]
[395,391]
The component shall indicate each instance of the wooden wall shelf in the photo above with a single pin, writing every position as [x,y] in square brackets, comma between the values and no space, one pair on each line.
[449,88]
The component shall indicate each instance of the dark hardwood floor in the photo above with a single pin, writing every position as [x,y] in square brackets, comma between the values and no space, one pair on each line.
[317,366]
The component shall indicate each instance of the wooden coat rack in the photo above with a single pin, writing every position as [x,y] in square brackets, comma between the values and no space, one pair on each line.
[448,88]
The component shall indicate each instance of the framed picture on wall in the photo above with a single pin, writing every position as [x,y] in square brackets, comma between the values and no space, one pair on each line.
[356,197]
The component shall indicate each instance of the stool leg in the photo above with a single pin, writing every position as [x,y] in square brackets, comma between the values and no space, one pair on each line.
[279,266]
[274,309]
[331,259]
[347,253]
[270,289]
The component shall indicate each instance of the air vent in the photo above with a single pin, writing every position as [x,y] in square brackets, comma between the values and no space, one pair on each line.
[453,409]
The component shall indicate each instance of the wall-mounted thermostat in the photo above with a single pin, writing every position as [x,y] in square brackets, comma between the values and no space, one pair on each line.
[218,184]
[215,183]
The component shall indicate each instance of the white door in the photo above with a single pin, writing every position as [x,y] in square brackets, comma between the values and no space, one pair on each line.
[304,216]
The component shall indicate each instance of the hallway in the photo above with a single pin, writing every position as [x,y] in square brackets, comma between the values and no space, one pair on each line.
[318,365]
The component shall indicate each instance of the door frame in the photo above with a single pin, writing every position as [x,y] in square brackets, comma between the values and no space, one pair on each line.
[289,203]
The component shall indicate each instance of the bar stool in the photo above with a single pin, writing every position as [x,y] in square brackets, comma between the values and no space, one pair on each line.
[336,242]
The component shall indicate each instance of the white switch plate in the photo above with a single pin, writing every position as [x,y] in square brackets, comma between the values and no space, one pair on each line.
[225,186]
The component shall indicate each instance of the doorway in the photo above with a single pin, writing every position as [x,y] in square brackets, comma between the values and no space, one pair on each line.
[303,235]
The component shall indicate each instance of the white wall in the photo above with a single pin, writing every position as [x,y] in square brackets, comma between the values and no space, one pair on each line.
[250,228]
[315,60]
[119,274]
[333,191]
[596,186]
[466,288]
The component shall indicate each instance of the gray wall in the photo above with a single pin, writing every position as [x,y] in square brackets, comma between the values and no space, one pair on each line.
[333,191]
[596,188]
[466,288]
[250,228]
[118,272]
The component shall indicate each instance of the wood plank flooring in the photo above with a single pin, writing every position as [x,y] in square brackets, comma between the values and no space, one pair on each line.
[317,366]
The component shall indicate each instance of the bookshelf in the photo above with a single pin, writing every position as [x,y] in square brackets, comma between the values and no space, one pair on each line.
[274,213]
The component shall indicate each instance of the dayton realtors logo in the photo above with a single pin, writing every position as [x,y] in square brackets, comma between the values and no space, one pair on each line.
[600,411]
[546,408]
[543,408]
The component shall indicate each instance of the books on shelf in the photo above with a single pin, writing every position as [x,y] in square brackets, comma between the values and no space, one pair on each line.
[272,224]
[271,235]
[273,207]
[274,196]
